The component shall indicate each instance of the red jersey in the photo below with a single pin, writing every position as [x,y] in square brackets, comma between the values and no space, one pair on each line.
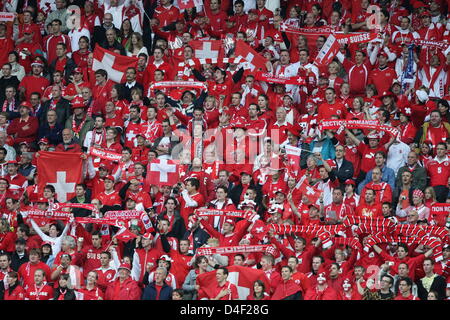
[337,211]
[50,43]
[358,76]
[140,197]
[371,211]
[368,156]
[166,15]
[327,110]
[110,199]
[105,277]
[34,84]
[227,285]
[43,292]
[438,171]
[186,210]
[382,78]
[17,294]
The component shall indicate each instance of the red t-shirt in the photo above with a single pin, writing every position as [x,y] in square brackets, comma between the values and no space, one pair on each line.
[368,156]
[34,84]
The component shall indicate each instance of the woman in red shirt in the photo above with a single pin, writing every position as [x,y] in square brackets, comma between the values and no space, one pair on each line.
[259,291]
[15,290]
[91,291]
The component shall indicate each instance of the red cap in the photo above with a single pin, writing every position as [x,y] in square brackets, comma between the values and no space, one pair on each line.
[165,257]
[245,172]
[110,177]
[44,141]
[350,181]
[37,62]
[148,236]
[425,14]
[418,193]
[295,130]
[41,200]
[373,135]
[125,266]
[12,162]
[77,70]
[314,205]
[46,243]
[382,53]
[27,105]
[78,102]
[229,221]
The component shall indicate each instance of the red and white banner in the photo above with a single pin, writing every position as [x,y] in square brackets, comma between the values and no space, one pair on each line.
[7,16]
[178,84]
[357,124]
[255,60]
[161,172]
[242,277]
[267,77]
[105,154]
[51,215]
[231,249]
[293,159]
[312,193]
[63,170]
[113,63]
[124,214]
[440,213]
[431,43]
[125,235]
[328,52]
[108,221]
[56,206]
[207,49]
[226,213]
[355,37]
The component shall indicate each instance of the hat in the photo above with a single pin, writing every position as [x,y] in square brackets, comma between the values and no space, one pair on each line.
[27,29]
[314,205]
[77,70]
[25,143]
[239,122]
[229,221]
[373,135]
[405,110]
[254,11]
[244,171]
[37,62]
[13,162]
[165,257]
[78,102]
[350,181]
[28,105]
[295,130]
[422,95]
[41,200]
[247,204]
[418,193]
[310,102]
[147,236]
[125,266]
[382,53]
[388,94]
[44,141]
[425,14]
[110,177]
[46,243]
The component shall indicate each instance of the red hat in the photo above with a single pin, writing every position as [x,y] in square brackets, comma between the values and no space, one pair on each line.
[406,110]
[350,181]
[294,129]
[418,4]
[314,205]
[165,257]
[245,171]
[28,29]
[310,102]
[425,14]
[388,94]
[125,266]
[28,105]
[44,141]
[13,162]
[78,102]
[77,70]
[229,221]
[253,11]
[382,53]
[239,122]
[110,177]
[148,236]
[37,62]
[418,193]
[373,135]
[46,243]
[41,200]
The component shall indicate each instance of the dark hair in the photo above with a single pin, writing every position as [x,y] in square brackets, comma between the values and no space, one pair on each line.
[107,253]
[194,182]
[50,187]
[407,280]
[25,228]
[224,269]
[198,260]
[102,72]
[261,284]
[288,267]
[391,280]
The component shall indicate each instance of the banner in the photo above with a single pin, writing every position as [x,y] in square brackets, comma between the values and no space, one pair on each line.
[113,63]
[124,214]
[7,16]
[355,37]
[357,124]
[88,206]
[51,215]
[105,154]
[63,170]
[178,84]
[440,213]
[267,77]
[328,51]
[217,212]
[432,44]
[231,250]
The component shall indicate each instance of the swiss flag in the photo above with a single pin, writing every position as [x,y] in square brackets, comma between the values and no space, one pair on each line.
[311,193]
[125,235]
[63,170]
[162,172]
[293,159]
[208,49]
[259,230]
[185,4]
[254,59]
[329,50]
[242,277]
[113,63]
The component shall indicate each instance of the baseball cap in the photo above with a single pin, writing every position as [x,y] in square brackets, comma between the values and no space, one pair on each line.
[350,181]
[125,266]
[44,141]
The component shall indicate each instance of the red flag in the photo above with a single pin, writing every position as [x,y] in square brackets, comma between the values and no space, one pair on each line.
[329,50]
[293,159]
[439,213]
[259,229]
[207,49]
[113,63]
[63,170]
[185,4]
[311,193]
[162,172]
[254,59]
[242,277]
[125,235]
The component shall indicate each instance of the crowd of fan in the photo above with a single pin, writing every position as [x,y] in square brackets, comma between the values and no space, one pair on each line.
[53,100]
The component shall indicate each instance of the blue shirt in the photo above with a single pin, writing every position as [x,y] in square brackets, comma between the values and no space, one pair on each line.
[387,175]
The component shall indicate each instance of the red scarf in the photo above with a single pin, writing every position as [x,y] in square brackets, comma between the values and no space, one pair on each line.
[76,129]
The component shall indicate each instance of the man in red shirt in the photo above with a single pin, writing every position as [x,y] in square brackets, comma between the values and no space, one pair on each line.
[404,289]
[370,208]
[52,40]
[109,197]
[25,128]
[6,44]
[439,171]
[166,13]
[34,82]
[105,272]
[158,63]
[101,92]
[89,256]
[358,72]
[17,182]
[331,107]
[39,290]
[27,270]
[124,287]
[224,290]
[383,76]
[337,210]
[190,199]
[217,18]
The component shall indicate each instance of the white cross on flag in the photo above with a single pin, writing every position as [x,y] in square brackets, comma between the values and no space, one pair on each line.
[114,64]
[185,4]
[328,52]
[63,170]
[208,49]
[254,59]
[162,172]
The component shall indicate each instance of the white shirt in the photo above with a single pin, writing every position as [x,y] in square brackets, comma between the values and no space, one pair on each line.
[397,156]
[75,36]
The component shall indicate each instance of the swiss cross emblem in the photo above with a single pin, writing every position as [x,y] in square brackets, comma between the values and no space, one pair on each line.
[109,276]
